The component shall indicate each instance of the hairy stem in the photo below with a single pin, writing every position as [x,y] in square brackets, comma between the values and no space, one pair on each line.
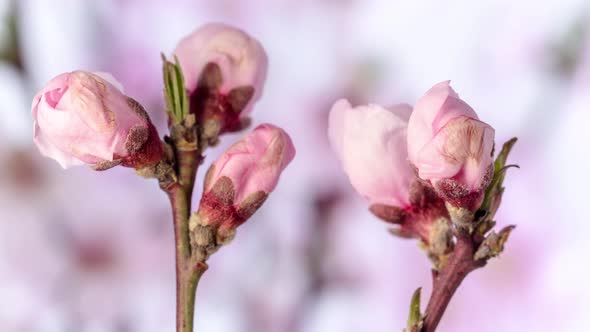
[446,282]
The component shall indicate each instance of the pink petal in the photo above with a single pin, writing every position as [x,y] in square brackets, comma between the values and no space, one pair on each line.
[371,144]
[460,150]
[439,105]
[255,162]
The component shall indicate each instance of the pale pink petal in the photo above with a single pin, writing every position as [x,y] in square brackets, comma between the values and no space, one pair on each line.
[432,111]
[371,144]
[59,82]
[71,134]
[277,154]
[474,169]
[433,164]
[461,150]
[47,149]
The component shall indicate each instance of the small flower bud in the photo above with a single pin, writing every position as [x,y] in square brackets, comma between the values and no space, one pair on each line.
[84,118]
[493,244]
[239,182]
[450,147]
[224,70]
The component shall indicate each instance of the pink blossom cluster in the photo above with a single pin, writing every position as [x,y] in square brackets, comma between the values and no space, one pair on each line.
[85,118]
[407,162]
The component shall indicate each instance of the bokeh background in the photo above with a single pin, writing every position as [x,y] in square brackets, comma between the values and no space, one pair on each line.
[82,251]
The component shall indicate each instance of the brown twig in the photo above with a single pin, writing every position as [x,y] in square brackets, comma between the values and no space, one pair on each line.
[446,282]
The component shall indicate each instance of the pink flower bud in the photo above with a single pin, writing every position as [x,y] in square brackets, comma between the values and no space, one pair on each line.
[84,118]
[449,146]
[225,65]
[239,181]
[370,141]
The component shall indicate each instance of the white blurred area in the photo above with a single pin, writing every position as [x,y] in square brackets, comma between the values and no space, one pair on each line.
[83,251]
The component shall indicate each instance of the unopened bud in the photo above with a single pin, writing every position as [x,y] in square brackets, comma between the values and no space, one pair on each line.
[493,245]
[224,70]
[239,182]
[84,118]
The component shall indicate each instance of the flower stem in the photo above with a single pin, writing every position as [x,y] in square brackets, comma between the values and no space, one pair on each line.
[180,214]
[188,271]
[447,281]
[186,286]
[189,160]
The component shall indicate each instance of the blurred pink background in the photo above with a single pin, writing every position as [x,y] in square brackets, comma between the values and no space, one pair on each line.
[93,252]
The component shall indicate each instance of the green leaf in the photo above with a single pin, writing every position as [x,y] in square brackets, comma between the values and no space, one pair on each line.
[183,97]
[176,94]
[503,155]
[500,168]
[177,104]
[415,316]
[168,95]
